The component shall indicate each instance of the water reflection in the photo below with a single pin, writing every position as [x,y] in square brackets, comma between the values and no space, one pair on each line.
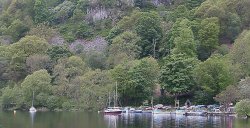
[94,120]
[111,120]
[32,117]
[166,120]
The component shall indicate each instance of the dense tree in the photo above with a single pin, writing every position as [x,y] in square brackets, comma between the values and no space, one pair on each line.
[18,53]
[83,31]
[57,52]
[213,76]
[185,43]
[43,31]
[244,88]
[37,62]
[12,98]
[176,74]
[194,3]
[136,80]
[17,30]
[39,82]
[176,33]
[63,11]
[243,108]
[95,87]
[228,96]
[41,11]
[124,47]
[30,45]
[208,37]
[149,29]
[96,60]
[240,52]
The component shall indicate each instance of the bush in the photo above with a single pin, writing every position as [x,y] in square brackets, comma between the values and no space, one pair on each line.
[67,105]
[243,107]
[53,102]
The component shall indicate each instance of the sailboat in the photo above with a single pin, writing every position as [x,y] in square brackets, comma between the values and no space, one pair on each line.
[32,109]
[113,110]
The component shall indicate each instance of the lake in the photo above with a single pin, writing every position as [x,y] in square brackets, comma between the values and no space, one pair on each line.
[95,120]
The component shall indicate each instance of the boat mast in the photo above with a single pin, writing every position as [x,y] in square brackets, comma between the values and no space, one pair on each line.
[115,100]
[33,99]
[109,99]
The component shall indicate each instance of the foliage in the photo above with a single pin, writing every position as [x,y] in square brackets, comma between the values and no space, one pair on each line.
[243,107]
[184,43]
[176,74]
[149,29]
[17,30]
[57,52]
[208,37]
[38,82]
[83,31]
[244,88]
[63,11]
[228,96]
[213,76]
[41,11]
[136,80]
[30,45]
[92,90]
[37,62]
[240,52]
[96,60]
[43,31]
[124,47]
[12,97]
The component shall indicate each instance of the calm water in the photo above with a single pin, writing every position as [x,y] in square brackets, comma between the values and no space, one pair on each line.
[95,120]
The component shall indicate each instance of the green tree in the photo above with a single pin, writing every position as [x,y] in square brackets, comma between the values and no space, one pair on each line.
[243,108]
[84,31]
[244,88]
[124,47]
[180,12]
[185,43]
[194,3]
[38,82]
[208,37]
[30,45]
[176,74]
[19,52]
[12,98]
[57,52]
[148,27]
[96,60]
[239,55]
[136,80]
[213,76]
[228,96]
[17,30]
[90,91]
[177,34]
[41,11]
[43,31]
[37,62]
[63,11]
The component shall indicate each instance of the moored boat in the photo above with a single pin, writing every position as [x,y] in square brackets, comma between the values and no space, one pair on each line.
[113,110]
[32,109]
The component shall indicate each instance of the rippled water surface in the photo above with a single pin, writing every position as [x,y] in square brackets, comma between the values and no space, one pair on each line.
[95,120]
